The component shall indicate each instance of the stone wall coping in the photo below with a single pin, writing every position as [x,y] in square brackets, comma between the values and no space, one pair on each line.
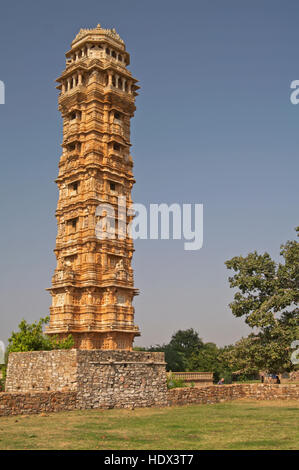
[55,351]
[258,384]
[149,363]
[91,351]
[55,392]
[37,393]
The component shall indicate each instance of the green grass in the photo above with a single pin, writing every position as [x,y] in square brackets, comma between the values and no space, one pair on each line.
[233,425]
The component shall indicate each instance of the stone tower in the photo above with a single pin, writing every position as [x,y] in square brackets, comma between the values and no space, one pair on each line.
[93,287]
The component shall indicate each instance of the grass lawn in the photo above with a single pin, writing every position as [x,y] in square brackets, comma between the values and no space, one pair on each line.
[232,425]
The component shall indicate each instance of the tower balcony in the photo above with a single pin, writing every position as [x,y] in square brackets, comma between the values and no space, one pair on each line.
[92,275]
[73,62]
[61,277]
[80,310]
[117,129]
[93,125]
[117,164]
[77,318]
[94,52]
[72,155]
[73,128]
[95,326]
[122,93]
[122,278]
[72,199]
[120,153]
[70,90]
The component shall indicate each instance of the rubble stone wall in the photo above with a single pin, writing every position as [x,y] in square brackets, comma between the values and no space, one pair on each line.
[42,371]
[101,379]
[121,379]
[46,381]
[219,393]
[36,402]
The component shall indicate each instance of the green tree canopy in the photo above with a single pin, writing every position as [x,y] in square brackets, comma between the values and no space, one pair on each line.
[174,359]
[178,351]
[205,359]
[267,298]
[30,337]
[186,341]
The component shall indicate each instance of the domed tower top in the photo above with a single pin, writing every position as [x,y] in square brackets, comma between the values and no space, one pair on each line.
[99,43]
[102,50]
[98,31]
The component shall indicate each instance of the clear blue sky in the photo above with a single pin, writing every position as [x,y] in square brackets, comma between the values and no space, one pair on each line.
[214,125]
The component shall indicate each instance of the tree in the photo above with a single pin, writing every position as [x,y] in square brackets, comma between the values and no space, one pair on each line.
[174,359]
[186,342]
[205,359]
[244,357]
[180,348]
[267,297]
[210,358]
[30,337]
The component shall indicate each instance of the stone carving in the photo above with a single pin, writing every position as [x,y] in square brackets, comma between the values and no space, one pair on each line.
[120,265]
[59,300]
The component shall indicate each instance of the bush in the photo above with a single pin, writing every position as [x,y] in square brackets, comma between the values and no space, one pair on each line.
[30,337]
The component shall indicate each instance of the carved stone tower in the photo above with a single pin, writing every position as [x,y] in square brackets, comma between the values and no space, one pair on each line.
[93,287]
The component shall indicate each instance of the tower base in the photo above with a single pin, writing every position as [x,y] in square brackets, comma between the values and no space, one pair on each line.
[101,379]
